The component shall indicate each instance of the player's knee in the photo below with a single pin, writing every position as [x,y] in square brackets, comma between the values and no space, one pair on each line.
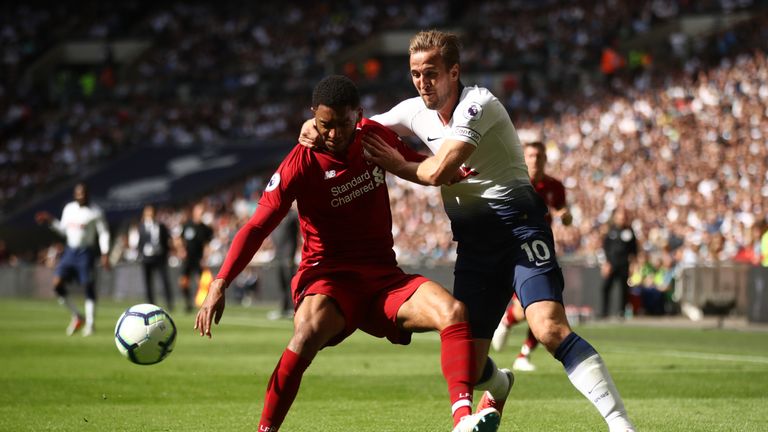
[550,333]
[310,333]
[452,312]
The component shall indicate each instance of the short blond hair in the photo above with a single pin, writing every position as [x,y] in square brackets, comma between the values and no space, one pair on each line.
[447,43]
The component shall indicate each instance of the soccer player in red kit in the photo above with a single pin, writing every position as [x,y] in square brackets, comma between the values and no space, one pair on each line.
[348,278]
[552,191]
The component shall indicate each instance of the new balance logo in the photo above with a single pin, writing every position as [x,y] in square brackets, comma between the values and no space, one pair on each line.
[330,174]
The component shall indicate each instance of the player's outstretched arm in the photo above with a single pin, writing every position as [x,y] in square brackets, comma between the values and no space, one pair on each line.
[212,308]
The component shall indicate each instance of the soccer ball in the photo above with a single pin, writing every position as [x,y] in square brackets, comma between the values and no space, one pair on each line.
[145,334]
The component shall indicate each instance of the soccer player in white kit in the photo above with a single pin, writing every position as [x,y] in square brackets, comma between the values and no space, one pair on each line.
[505,244]
[85,228]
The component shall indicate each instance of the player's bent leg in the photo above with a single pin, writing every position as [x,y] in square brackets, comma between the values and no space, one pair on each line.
[548,322]
[317,321]
[497,384]
[512,316]
[584,366]
[432,307]
[90,307]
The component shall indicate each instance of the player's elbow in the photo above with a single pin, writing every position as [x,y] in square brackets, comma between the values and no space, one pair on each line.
[438,177]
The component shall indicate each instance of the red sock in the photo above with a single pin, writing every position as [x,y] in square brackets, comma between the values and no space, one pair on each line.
[457,357]
[281,390]
[509,317]
[529,344]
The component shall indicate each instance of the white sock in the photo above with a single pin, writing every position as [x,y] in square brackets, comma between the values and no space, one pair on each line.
[525,351]
[64,301]
[90,311]
[497,385]
[592,379]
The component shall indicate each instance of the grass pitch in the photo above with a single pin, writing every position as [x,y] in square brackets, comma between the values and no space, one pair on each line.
[671,379]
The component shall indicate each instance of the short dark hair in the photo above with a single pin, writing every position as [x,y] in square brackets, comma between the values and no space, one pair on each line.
[536,144]
[336,91]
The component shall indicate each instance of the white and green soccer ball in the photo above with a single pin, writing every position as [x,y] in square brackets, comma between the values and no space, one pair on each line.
[145,334]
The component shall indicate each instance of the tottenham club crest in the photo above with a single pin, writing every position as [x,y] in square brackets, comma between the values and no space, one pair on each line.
[473,112]
[274,182]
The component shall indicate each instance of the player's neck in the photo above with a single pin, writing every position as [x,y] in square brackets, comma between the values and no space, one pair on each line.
[537,177]
[446,112]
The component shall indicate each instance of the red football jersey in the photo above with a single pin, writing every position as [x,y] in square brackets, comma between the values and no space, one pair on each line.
[343,204]
[552,191]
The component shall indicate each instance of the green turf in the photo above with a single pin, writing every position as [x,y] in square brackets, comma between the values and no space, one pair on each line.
[671,379]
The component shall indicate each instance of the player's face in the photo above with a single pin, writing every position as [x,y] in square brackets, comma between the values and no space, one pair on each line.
[81,195]
[535,159]
[337,126]
[149,213]
[432,79]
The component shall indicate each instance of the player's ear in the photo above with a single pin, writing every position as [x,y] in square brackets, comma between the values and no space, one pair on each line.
[455,72]
[359,115]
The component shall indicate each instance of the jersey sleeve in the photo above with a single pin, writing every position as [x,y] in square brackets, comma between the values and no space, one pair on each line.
[274,204]
[398,118]
[474,116]
[393,140]
[102,231]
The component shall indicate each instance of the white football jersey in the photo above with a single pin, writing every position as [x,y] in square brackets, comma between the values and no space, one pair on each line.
[81,225]
[481,120]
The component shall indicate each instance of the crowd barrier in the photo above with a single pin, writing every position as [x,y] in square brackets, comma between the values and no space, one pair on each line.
[723,289]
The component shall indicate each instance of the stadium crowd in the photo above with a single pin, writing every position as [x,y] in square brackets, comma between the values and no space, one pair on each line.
[681,143]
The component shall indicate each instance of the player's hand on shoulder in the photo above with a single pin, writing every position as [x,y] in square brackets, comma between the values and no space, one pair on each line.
[309,136]
[43,218]
[376,150]
[212,308]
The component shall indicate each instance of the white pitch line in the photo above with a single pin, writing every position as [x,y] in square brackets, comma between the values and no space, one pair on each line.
[700,355]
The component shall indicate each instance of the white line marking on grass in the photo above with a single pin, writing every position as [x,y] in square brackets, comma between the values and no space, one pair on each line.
[699,355]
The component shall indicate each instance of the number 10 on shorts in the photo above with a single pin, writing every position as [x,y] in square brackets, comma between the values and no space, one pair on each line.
[537,251]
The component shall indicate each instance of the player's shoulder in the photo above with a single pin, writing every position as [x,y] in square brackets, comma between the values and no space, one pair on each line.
[299,156]
[411,106]
[474,102]
[477,94]
[368,125]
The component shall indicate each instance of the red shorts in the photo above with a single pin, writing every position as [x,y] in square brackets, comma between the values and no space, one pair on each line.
[368,296]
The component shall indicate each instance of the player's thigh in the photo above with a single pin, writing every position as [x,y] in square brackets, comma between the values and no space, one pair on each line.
[431,307]
[535,286]
[317,320]
[394,289]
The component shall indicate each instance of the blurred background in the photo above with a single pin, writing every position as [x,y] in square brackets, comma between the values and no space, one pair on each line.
[655,107]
